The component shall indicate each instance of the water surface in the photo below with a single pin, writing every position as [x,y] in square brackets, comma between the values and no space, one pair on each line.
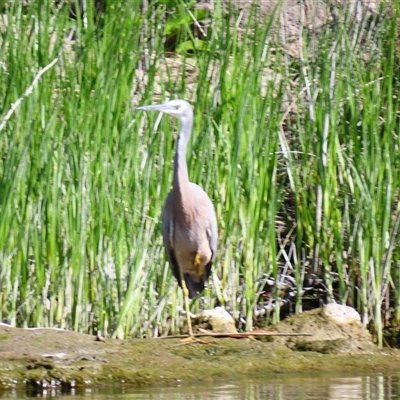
[318,387]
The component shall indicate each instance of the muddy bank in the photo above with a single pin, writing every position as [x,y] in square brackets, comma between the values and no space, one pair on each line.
[46,356]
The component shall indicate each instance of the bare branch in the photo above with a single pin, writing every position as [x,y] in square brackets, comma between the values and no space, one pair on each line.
[26,94]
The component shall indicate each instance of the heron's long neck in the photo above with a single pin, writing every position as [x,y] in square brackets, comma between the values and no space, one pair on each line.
[181,176]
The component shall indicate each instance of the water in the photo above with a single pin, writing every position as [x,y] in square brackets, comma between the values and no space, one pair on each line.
[321,387]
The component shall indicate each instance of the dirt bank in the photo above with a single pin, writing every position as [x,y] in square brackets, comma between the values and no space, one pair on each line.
[46,356]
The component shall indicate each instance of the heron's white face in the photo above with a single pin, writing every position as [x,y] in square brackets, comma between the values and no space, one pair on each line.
[180,109]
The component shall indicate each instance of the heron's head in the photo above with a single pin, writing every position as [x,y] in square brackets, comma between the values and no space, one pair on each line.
[180,109]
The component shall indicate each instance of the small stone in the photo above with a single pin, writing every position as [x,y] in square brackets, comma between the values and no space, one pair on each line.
[218,320]
[342,315]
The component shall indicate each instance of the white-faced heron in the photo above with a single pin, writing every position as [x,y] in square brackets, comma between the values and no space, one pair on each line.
[189,224]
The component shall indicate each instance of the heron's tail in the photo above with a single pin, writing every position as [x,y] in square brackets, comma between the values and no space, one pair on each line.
[193,286]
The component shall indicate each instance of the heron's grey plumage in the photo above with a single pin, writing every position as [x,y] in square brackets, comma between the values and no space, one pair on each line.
[189,223]
[188,231]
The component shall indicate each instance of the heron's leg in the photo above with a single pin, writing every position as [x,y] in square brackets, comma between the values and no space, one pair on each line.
[191,339]
[186,298]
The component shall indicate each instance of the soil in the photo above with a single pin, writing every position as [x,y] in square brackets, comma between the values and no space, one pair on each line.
[48,357]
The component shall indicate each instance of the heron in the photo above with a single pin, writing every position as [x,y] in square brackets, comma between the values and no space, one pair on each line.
[189,223]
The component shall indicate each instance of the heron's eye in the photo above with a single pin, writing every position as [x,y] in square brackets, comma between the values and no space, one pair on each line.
[177,107]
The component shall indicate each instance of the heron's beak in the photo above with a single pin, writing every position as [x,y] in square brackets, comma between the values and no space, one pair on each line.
[157,107]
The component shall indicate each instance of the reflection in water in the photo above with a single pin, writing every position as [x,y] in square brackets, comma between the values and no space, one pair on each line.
[377,387]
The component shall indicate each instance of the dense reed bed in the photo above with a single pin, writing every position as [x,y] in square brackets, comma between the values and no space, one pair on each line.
[299,154]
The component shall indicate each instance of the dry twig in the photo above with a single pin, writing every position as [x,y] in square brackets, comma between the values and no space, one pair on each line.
[26,94]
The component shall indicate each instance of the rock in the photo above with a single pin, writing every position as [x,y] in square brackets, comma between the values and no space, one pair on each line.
[218,320]
[342,315]
[334,329]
